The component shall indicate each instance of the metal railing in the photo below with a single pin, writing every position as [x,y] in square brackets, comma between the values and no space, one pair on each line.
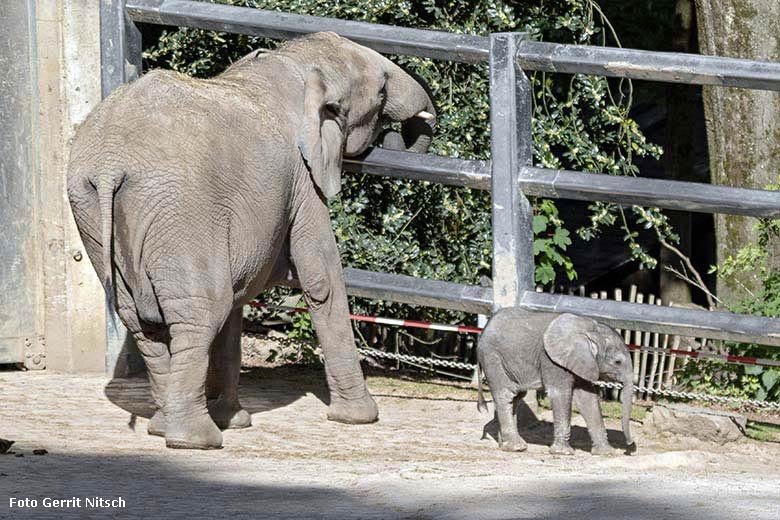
[510,174]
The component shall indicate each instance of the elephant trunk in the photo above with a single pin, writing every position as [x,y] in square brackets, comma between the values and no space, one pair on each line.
[628,394]
[409,102]
[417,132]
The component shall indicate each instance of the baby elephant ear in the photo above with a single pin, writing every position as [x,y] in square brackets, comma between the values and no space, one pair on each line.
[568,345]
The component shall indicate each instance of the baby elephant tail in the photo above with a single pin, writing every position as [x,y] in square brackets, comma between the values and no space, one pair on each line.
[481,403]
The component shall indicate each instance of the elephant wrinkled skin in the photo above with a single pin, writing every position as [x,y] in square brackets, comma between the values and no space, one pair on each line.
[521,350]
[192,196]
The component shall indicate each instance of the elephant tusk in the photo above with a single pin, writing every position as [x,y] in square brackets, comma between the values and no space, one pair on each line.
[422,114]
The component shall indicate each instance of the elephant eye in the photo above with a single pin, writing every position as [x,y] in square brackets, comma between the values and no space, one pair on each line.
[618,361]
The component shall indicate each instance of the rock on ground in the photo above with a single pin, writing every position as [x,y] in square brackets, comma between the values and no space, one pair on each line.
[699,423]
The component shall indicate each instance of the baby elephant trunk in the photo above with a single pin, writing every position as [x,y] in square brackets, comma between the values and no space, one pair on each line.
[628,393]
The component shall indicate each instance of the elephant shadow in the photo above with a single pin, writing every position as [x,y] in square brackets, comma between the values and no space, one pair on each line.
[540,432]
[260,389]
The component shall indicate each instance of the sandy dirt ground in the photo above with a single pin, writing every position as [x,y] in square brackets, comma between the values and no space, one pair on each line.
[424,459]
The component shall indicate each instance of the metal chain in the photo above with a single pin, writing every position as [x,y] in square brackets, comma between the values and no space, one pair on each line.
[291,342]
[693,396]
[416,359]
[284,341]
[468,366]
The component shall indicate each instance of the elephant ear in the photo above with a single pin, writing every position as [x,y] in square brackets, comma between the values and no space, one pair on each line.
[567,343]
[321,140]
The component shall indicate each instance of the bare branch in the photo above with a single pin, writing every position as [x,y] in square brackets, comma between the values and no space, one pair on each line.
[686,262]
[694,283]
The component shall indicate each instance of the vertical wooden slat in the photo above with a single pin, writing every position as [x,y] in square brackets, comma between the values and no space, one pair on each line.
[645,343]
[661,363]
[638,298]
[655,357]
[672,359]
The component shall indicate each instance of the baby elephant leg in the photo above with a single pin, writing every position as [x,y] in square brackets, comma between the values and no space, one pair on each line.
[560,398]
[510,439]
[504,395]
[587,402]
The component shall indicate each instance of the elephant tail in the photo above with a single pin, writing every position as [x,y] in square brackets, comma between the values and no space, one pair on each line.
[106,186]
[481,403]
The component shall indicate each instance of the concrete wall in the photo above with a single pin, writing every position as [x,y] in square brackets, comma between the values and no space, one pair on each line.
[19,262]
[50,298]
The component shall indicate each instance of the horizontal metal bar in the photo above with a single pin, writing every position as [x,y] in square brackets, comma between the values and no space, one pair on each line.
[421,167]
[649,65]
[662,319]
[244,20]
[688,196]
[418,291]
[656,318]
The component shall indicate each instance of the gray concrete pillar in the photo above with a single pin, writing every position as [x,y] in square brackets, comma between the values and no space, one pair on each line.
[51,299]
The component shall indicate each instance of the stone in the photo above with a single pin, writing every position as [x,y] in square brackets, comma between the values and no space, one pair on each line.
[4,445]
[700,423]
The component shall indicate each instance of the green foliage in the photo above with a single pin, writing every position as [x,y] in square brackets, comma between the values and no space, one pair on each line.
[751,381]
[439,232]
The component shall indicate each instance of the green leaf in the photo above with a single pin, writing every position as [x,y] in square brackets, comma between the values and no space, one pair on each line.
[769,378]
[541,245]
[544,273]
[561,238]
[540,224]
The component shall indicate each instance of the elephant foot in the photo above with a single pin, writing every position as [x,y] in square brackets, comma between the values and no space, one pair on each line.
[229,415]
[514,445]
[561,448]
[353,411]
[157,424]
[604,450]
[196,433]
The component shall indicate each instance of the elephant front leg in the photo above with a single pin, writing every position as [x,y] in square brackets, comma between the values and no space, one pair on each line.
[560,398]
[587,402]
[223,375]
[318,266]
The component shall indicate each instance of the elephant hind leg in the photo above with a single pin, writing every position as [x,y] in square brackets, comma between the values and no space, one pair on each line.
[188,424]
[154,349]
[223,374]
[194,322]
[505,393]
[152,341]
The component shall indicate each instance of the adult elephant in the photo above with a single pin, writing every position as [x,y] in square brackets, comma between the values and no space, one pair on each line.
[192,196]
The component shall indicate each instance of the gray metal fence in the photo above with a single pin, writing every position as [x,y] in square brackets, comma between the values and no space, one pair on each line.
[510,174]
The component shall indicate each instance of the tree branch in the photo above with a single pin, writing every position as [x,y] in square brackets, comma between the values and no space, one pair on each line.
[699,283]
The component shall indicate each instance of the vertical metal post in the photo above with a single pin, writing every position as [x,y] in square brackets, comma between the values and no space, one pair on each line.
[511,149]
[120,62]
[120,46]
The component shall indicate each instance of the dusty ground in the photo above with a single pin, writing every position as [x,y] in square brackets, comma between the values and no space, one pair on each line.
[424,459]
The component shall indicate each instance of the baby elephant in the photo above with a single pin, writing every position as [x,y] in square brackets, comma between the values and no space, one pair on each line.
[522,350]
